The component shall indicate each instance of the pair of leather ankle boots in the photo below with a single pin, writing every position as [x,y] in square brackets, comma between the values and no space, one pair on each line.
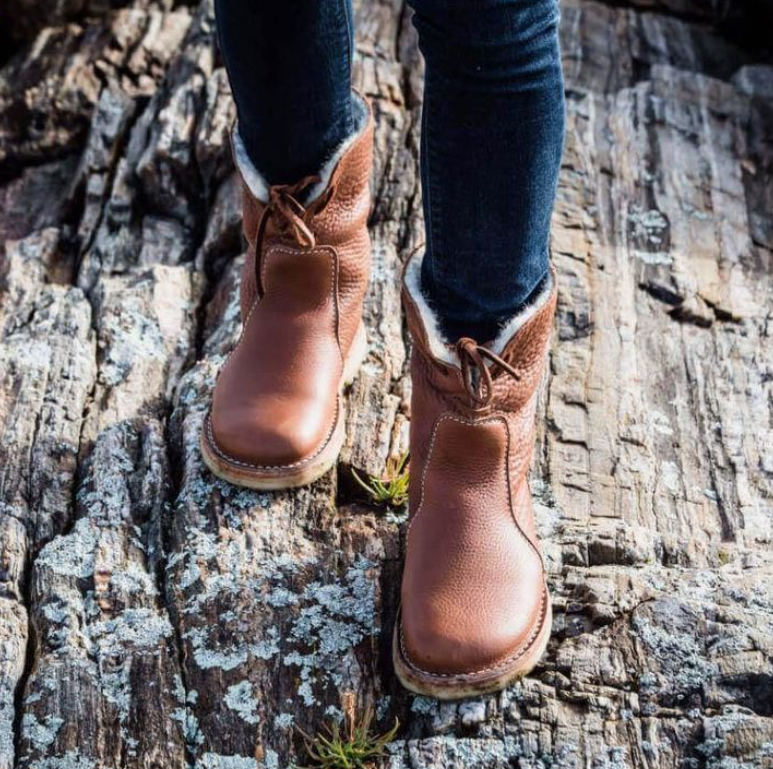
[475,611]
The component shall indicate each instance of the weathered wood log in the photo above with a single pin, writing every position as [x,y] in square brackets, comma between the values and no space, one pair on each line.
[153,616]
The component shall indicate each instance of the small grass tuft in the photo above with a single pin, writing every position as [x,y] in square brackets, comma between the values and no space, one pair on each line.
[392,489]
[351,746]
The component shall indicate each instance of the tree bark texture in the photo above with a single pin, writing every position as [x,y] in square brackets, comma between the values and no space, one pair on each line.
[153,617]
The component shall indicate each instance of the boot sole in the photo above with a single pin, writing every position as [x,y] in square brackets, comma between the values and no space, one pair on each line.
[456,687]
[293,477]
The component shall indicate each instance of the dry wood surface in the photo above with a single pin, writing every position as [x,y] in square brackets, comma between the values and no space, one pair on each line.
[154,617]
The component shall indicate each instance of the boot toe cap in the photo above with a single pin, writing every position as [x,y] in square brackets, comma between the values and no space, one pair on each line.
[258,441]
[466,642]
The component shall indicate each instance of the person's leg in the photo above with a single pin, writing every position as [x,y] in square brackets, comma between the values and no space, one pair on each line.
[289,64]
[491,147]
[303,149]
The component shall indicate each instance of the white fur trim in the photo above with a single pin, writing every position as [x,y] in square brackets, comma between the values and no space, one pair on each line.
[257,183]
[509,329]
[438,344]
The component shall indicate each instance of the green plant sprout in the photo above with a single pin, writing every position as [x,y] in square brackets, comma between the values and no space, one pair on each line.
[350,747]
[392,489]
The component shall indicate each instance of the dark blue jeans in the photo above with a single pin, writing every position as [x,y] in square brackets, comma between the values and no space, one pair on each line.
[492,131]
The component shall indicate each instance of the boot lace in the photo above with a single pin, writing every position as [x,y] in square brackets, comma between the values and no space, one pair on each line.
[290,215]
[476,375]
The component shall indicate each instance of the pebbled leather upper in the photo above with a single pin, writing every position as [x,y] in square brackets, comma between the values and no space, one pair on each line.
[276,399]
[473,591]
[341,224]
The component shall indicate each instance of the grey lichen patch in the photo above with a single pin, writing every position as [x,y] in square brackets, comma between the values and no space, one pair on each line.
[98,605]
[472,713]
[548,512]
[240,698]
[383,706]
[55,612]
[270,607]
[327,619]
[648,223]
[334,713]
[71,555]
[218,761]
[669,630]
[267,648]
[117,644]
[133,580]
[41,735]
[424,705]
[138,628]
[70,760]
[281,597]
[207,658]
[736,737]
[138,329]
[284,721]
[649,234]
[396,518]
[216,584]
[614,757]
[654,257]
[450,751]
[334,618]
[201,485]
[189,725]
[106,497]
[6,734]
[215,571]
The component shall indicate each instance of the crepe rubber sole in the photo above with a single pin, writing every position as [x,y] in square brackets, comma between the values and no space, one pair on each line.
[304,472]
[456,687]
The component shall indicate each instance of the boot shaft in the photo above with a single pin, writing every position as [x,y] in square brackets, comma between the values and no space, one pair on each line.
[439,385]
[332,209]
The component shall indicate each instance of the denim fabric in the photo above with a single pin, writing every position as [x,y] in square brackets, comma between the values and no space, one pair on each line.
[492,132]
[492,138]
[289,64]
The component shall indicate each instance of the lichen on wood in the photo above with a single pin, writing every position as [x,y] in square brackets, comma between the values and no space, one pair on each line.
[154,616]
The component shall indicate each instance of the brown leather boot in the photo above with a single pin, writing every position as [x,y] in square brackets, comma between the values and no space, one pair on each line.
[475,610]
[276,419]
